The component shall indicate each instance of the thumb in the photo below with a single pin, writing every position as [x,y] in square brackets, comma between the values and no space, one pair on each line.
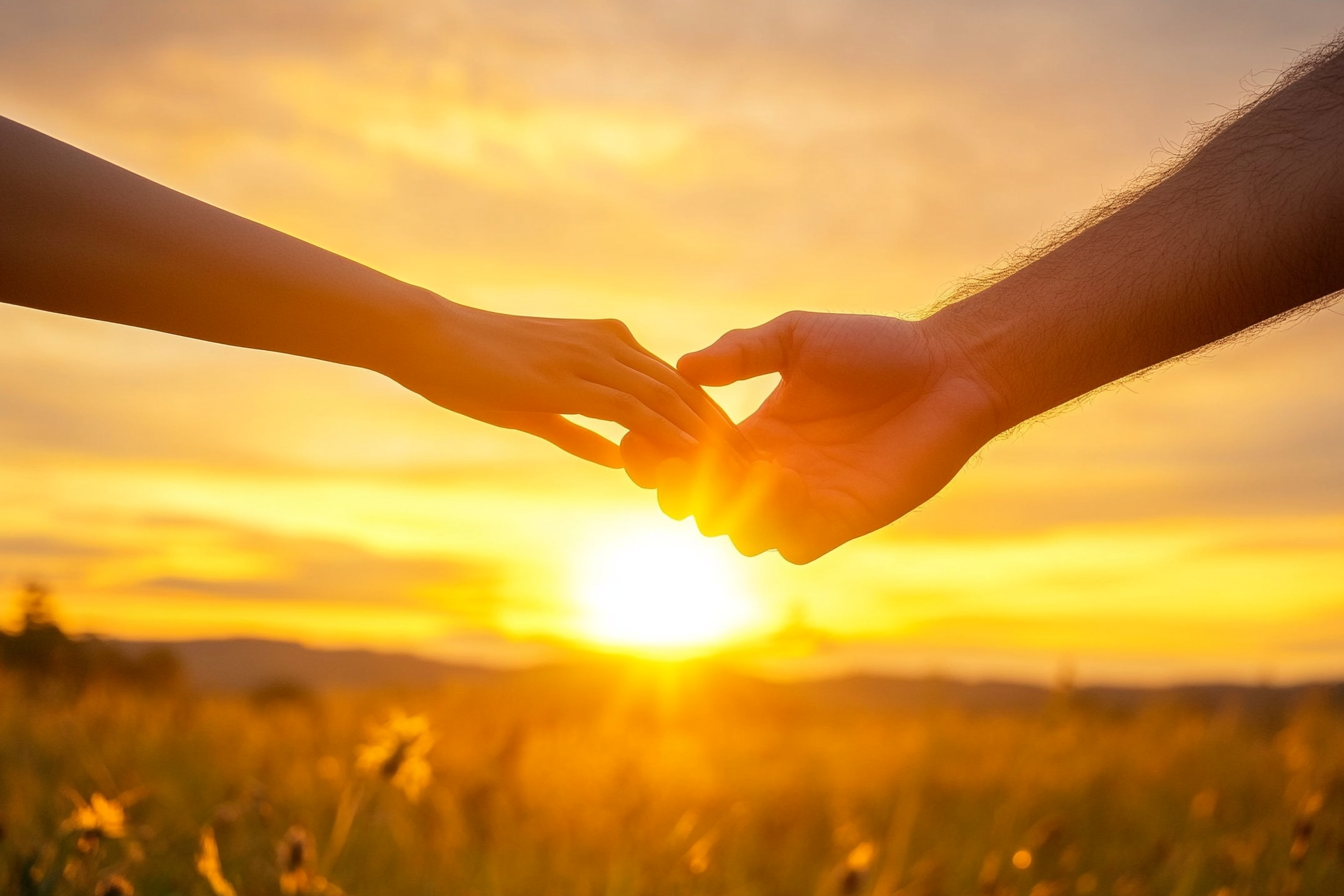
[741,354]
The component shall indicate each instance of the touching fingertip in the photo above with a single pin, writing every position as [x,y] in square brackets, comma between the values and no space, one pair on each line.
[709,525]
[801,554]
[748,547]
[672,506]
[692,366]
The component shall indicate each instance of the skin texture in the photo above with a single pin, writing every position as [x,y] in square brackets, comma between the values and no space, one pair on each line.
[874,415]
[81,236]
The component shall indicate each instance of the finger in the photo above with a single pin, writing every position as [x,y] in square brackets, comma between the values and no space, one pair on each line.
[741,354]
[687,406]
[607,403]
[710,419]
[750,541]
[657,369]
[716,491]
[801,552]
[704,486]
[750,522]
[569,436]
[771,503]
[620,330]
[674,487]
[773,510]
[663,391]
[641,457]
[812,534]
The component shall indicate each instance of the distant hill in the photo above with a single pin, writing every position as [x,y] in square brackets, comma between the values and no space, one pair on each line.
[877,692]
[238,664]
[249,663]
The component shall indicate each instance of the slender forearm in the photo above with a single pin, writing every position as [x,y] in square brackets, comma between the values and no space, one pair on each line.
[81,236]
[1250,227]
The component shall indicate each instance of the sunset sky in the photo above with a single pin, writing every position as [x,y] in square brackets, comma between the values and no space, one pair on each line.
[688,166]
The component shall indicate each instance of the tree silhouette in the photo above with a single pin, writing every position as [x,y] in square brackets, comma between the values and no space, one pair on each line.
[45,659]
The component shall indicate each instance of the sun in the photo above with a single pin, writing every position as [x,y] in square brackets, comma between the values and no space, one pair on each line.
[665,592]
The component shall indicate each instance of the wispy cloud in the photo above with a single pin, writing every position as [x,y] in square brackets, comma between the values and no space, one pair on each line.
[688,166]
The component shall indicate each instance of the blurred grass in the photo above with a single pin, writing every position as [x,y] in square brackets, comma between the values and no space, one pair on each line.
[630,778]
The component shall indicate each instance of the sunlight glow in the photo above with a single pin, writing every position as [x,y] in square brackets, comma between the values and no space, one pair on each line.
[664,591]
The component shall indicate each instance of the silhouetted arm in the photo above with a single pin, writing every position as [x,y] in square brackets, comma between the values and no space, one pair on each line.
[1249,227]
[81,236]
[874,415]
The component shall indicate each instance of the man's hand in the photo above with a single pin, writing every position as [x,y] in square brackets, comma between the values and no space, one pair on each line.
[873,415]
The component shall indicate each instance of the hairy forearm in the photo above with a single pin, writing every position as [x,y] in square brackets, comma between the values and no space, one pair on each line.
[1248,228]
[81,236]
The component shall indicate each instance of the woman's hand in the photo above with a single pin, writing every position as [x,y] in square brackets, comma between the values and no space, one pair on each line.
[81,236]
[525,372]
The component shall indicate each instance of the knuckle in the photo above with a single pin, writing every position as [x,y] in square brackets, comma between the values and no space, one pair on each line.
[663,395]
[791,324]
[615,327]
[624,403]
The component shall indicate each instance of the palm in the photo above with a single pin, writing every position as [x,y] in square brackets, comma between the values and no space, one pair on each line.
[868,418]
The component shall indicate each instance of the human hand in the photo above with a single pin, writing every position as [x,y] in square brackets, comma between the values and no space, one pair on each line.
[525,372]
[873,415]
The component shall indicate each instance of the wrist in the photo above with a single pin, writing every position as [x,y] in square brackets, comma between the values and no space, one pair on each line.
[410,338]
[968,348]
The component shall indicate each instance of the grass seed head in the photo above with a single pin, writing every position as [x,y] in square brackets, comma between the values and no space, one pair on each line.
[861,856]
[207,863]
[1301,840]
[697,857]
[1312,804]
[295,854]
[396,752]
[95,820]
[114,885]
[857,862]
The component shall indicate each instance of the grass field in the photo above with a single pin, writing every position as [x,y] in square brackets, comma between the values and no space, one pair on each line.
[627,778]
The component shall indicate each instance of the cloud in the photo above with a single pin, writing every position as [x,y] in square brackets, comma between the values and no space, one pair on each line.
[208,558]
[734,159]
[46,546]
[688,166]
[780,150]
[258,565]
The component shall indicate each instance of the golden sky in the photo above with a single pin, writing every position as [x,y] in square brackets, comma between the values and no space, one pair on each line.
[688,166]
